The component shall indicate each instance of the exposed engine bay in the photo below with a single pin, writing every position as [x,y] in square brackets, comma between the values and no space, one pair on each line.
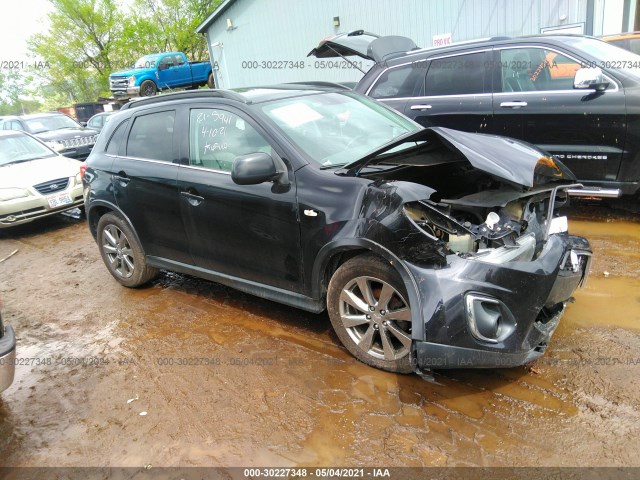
[474,212]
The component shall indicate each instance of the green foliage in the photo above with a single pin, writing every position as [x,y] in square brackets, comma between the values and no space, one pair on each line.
[13,91]
[88,39]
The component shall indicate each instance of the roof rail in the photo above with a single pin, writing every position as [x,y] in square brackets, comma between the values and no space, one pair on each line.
[165,97]
[321,84]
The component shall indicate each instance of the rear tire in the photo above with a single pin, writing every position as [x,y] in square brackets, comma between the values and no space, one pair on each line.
[210,81]
[121,252]
[367,305]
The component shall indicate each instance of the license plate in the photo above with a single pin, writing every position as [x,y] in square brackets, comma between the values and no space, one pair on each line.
[59,200]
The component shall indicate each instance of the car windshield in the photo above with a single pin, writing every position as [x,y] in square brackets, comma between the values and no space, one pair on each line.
[335,129]
[609,56]
[148,61]
[54,122]
[22,148]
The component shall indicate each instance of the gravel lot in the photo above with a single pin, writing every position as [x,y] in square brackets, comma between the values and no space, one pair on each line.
[226,379]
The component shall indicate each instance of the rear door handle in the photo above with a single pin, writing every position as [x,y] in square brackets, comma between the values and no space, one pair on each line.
[192,197]
[420,107]
[513,104]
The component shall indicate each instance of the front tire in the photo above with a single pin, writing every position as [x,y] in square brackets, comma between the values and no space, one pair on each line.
[367,305]
[148,89]
[121,252]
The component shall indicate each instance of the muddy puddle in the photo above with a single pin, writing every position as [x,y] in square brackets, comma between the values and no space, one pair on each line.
[225,379]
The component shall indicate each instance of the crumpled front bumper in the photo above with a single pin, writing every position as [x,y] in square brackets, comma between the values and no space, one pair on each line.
[527,298]
[7,358]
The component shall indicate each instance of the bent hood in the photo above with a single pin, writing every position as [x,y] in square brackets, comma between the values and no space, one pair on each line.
[512,160]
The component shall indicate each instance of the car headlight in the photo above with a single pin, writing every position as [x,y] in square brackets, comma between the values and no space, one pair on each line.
[132,80]
[57,146]
[7,194]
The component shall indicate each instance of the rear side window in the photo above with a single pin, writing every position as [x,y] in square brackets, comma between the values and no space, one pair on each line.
[113,146]
[151,136]
[405,81]
[458,75]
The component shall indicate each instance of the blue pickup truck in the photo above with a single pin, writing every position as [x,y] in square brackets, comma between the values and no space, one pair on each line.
[160,71]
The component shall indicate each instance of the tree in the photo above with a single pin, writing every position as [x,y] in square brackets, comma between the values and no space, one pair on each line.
[78,47]
[88,39]
[14,93]
[167,25]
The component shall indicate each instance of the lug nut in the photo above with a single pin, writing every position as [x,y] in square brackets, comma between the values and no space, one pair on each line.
[383,312]
[384,323]
[372,308]
[368,317]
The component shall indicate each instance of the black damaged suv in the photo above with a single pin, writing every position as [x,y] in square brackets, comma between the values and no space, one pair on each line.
[428,247]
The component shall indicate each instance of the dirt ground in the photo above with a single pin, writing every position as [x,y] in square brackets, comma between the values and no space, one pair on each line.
[226,379]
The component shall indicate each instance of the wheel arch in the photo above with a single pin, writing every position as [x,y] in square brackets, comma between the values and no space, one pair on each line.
[334,254]
[98,209]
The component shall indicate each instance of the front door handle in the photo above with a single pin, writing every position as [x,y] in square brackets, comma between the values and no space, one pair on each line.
[192,197]
[421,107]
[513,104]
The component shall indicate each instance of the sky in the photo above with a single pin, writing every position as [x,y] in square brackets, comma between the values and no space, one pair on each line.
[22,18]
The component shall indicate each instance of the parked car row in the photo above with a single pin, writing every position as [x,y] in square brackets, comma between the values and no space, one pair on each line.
[57,130]
[576,97]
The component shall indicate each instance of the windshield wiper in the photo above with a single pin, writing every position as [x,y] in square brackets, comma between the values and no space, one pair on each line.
[331,167]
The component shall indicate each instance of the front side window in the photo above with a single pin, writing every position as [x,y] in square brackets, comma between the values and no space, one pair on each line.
[405,81]
[217,137]
[151,137]
[534,69]
[457,75]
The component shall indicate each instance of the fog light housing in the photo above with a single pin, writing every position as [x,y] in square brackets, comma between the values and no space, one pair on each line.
[489,319]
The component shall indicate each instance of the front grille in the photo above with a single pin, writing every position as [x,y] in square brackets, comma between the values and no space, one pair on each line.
[119,82]
[52,186]
[79,142]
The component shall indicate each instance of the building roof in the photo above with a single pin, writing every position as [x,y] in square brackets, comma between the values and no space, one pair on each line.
[220,9]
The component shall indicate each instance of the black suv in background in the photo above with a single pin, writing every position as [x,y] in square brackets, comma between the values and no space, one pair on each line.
[575,97]
[428,247]
[59,131]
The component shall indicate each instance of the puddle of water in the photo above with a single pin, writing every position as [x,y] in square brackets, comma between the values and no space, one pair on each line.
[606,301]
[616,229]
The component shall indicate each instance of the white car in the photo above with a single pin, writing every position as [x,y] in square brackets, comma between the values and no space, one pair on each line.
[35,181]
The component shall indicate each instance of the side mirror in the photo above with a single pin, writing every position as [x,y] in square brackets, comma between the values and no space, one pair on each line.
[254,168]
[590,78]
